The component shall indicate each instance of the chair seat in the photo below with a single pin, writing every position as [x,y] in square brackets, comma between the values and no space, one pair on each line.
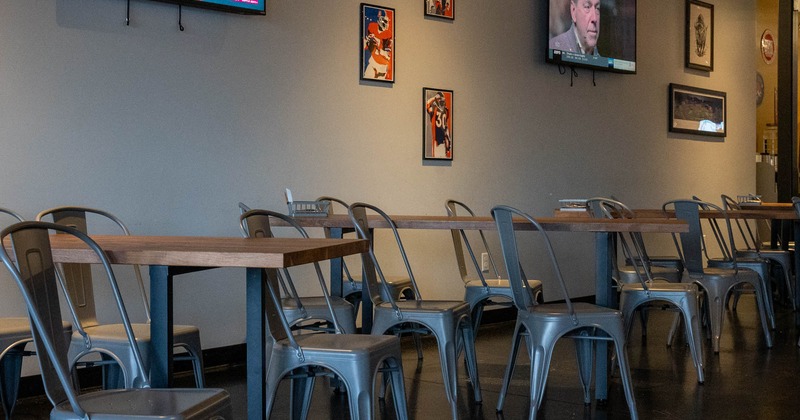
[150,403]
[628,274]
[316,308]
[116,332]
[499,286]
[555,310]
[661,286]
[346,345]
[432,306]
[17,329]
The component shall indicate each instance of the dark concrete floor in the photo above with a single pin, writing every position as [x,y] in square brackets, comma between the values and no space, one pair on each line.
[744,381]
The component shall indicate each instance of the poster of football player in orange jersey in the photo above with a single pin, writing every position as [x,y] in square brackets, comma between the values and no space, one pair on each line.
[437,124]
[377,43]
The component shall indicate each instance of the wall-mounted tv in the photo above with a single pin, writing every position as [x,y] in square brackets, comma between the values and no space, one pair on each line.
[248,7]
[598,34]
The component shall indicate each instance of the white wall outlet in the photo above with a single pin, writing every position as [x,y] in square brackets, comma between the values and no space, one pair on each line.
[485,262]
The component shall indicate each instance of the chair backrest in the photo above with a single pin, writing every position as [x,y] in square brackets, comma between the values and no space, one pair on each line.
[691,242]
[523,296]
[342,203]
[373,275]
[461,241]
[796,205]
[11,213]
[632,243]
[78,277]
[257,223]
[34,271]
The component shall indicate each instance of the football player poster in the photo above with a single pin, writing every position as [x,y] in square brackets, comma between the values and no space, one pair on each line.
[377,43]
[437,124]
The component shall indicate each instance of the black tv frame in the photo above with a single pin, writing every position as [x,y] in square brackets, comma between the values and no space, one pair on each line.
[218,7]
[586,65]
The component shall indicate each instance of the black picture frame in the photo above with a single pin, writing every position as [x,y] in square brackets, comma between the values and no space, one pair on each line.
[377,43]
[699,111]
[699,35]
[442,9]
[437,124]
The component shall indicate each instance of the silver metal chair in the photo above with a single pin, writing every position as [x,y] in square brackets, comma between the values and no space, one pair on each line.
[15,334]
[748,231]
[399,286]
[301,311]
[109,340]
[33,270]
[543,324]
[355,359]
[727,247]
[479,292]
[639,285]
[716,282]
[448,321]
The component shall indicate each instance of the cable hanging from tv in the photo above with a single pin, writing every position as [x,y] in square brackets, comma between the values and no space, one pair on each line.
[573,73]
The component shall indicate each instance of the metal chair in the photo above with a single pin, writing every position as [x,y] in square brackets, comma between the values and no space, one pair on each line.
[543,324]
[355,359]
[109,340]
[716,282]
[15,334]
[727,248]
[35,273]
[399,286]
[753,249]
[448,321]
[639,284]
[478,291]
[301,311]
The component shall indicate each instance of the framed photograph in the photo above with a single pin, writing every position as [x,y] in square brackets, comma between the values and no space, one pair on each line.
[377,43]
[444,9]
[437,124]
[697,111]
[699,35]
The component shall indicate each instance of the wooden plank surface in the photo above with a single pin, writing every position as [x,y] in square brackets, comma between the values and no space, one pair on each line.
[198,251]
[659,224]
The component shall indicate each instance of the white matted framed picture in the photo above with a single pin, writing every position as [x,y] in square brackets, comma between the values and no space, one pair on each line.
[437,124]
[699,35]
[377,43]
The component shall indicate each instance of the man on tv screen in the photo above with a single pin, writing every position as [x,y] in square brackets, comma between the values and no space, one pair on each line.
[582,36]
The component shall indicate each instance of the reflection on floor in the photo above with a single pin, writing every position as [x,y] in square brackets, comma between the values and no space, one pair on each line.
[746,380]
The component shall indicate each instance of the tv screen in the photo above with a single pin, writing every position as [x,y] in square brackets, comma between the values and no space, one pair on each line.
[249,7]
[598,34]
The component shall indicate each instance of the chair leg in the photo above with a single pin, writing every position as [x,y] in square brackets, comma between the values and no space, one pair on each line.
[625,373]
[447,358]
[692,321]
[10,373]
[761,300]
[471,358]
[540,354]
[584,350]
[715,303]
[300,396]
[512,358]
[395,372]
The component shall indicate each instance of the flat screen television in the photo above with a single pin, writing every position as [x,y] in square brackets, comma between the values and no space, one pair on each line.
[247,7]
[597,34]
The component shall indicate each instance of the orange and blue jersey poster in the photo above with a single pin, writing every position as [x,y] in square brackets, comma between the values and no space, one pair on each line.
[377,43]
[444,9]
[437,124]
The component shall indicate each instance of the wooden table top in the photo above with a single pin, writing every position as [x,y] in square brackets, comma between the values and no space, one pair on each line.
[659,224]
[196,251]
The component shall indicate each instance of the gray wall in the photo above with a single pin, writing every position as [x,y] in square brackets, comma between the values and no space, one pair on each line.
[169,130]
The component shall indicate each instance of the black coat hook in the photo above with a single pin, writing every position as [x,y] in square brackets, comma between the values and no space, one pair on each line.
[180,17]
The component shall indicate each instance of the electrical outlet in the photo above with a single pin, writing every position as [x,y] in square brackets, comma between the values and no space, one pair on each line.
[485,262]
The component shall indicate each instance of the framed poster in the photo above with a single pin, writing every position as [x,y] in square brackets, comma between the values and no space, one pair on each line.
[699,35]
[377,43]
[437,124]
[444,9]
[697,111]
